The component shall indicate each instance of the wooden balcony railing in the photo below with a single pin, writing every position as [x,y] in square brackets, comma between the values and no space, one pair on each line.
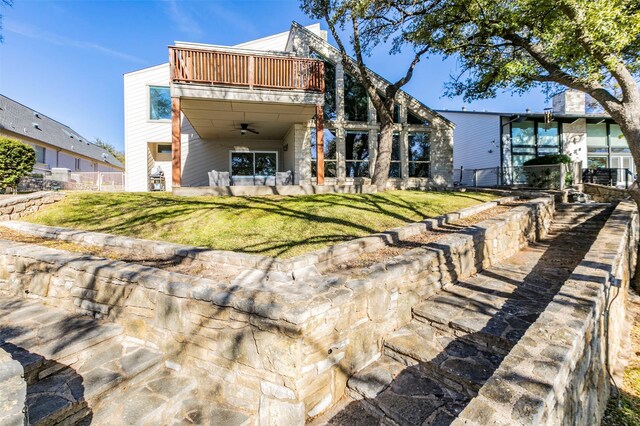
[239,69]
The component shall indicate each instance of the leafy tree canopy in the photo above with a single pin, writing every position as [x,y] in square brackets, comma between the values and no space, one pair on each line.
[119,155]
[517,44]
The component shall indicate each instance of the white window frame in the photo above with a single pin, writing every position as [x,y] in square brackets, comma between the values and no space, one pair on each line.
[254,160]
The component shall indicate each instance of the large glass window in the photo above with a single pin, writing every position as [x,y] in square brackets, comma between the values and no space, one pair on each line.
[523,142]
[356,101]
[419,154]
[396,111]
[330,158]
[159,103]
[254,163]
[617,140]
[357,154]
[597,138]
[40,154]
[414,119]
[607,146]
[548,139]
[329,86]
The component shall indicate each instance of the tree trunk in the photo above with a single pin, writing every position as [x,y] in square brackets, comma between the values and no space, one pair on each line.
[629,123]
[383,157]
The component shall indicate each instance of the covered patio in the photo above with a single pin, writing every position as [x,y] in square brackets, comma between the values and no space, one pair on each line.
[241,119]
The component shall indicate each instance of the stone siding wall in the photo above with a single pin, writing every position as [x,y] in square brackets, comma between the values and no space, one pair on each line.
[557,373]
[13,391]
[282,350]
[13,208]
[604,194]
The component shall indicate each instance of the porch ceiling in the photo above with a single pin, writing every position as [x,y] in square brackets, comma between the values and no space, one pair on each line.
[221,119]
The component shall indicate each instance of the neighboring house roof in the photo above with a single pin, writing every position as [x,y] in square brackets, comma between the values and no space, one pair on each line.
[22,120]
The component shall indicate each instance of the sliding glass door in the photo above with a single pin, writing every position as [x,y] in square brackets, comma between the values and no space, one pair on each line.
[253,167]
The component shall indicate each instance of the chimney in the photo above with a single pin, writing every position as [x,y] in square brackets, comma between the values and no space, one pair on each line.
[569,102]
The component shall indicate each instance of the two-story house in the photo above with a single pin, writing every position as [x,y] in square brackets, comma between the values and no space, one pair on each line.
[282,103]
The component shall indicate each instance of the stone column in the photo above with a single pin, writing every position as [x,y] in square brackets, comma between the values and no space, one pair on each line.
[441,154]
[373,150]
[340,134]
[319,145]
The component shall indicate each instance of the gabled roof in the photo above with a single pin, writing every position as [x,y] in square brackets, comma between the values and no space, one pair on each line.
[22,120]
[296,26]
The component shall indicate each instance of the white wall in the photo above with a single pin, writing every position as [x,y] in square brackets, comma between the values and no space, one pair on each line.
[474,136]
[200,156]
[138,129]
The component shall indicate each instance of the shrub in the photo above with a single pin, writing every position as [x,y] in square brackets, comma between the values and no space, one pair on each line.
[549,159]
[546,177]
[16,160]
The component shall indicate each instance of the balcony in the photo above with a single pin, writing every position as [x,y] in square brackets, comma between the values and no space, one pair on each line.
[247,71]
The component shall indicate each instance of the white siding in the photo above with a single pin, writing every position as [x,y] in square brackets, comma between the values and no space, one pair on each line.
[474,136]
[200,156]
[138,129]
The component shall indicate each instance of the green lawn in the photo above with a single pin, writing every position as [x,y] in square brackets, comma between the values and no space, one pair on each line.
[274,226]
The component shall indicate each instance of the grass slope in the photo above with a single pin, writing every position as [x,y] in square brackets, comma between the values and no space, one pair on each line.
[274,226]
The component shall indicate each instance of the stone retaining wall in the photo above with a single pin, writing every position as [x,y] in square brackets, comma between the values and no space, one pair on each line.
[14,208]
[251,266]
[557,373]
[604,194]
[283,351]
[13,391]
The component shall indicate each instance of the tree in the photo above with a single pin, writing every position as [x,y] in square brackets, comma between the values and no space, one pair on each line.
[119,155]
[359,17]
[16,160]
[588,45]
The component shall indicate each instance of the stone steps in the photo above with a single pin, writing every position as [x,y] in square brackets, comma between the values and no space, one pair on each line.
[166,397]
[458,337]
[83,371]
[461,365]
[69,360]
[390,393]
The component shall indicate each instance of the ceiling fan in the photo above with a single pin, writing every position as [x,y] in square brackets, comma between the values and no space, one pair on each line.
[244,128]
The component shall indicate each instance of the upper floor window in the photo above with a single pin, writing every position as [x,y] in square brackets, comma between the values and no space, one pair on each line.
[531,139]
[414,119]
[329,87]
[617,140]
[40,154]
[548,138]
[356,101]
[159,103]
[396,113]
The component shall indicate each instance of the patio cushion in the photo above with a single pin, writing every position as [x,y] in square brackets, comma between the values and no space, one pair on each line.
[284,178]
[218,178]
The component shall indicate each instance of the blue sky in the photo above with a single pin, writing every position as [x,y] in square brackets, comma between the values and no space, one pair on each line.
[66,58]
